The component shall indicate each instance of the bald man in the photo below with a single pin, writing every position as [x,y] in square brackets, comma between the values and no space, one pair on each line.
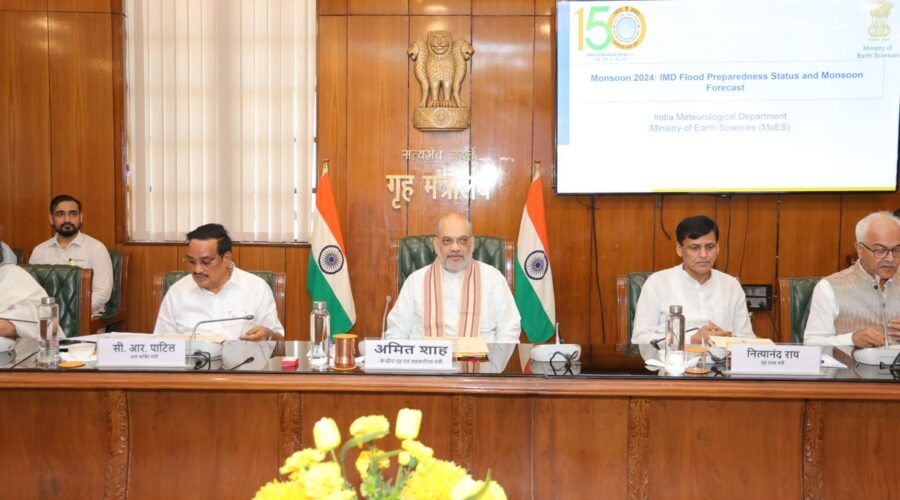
[455,295]
[853,306]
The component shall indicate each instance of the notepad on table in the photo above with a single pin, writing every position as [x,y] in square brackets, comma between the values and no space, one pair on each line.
[727,342]
[470,348]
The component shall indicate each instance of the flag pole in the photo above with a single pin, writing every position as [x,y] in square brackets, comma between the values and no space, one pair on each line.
[537,170]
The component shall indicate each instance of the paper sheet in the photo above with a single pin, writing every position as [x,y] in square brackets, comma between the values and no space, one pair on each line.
[725,342]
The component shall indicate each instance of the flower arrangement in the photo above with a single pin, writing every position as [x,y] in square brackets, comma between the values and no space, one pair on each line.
[419,475]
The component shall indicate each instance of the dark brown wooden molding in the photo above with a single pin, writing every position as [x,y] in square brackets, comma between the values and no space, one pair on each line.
[462,429]
[289,430]
[117,463]
[813,450]
[638,449]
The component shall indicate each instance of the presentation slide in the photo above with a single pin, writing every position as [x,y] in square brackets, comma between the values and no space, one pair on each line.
[727,96]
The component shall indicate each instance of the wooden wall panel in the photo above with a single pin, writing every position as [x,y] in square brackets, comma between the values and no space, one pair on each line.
[504,425]
[809,236]
[545,8]
[24,129]
[31,5]
[577,426]
[625,233]
[501,120]
[83,6]
[502,7]
[331,8]
[331,111]
[378,7]
[873,448]
[440,7]
[63,438]
[423,211]
[299,303]
[81,122]
[376,111]
[145,260]
[198,454]
[687,441]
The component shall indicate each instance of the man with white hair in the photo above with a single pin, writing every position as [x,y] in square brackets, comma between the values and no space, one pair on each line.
[455,296]
[856,305]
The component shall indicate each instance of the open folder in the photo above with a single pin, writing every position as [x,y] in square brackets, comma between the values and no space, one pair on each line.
[470,348]
[727,342]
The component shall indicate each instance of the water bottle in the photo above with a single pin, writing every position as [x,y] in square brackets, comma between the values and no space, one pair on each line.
[319,336]
[675,336]
[48,345]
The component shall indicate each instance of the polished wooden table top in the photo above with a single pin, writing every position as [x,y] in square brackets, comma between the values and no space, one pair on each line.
[607,370]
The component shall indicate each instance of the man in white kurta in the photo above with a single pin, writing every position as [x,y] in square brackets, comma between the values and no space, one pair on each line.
[712,302]
[20,295]
[499,320]
[217,289]
[69,246]
[854,306]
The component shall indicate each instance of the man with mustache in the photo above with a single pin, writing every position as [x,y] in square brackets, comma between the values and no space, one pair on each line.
[72,247]
[455,296]
[712,302]
[216,289]
[846,307]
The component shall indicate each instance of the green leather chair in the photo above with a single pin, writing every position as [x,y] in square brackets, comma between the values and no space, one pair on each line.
[71,286]
[18,255]
[276,281]
[416,252]
[628,290]
[115,311]
[794,297]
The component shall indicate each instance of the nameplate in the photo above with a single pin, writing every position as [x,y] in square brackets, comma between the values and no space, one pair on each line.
[409,355]
[776,359]
[150,352]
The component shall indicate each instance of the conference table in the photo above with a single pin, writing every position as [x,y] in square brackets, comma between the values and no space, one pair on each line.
[607,428]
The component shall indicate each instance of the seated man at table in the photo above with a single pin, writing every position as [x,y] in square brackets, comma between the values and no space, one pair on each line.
[217,289]
[20,295]
[853,306]
[455,296]
[713,303]
[70,246]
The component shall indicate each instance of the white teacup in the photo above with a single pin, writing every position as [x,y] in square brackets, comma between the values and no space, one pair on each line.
[80,351]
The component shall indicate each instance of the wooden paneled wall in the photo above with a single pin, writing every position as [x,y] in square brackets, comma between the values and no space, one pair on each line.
[61,130]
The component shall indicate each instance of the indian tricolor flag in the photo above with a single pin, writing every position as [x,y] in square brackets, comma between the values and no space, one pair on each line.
[534,280]
[328,278]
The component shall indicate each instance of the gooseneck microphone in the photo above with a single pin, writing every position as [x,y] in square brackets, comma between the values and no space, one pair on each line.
[249,359]
[217,320]
[883,316]
[387,305]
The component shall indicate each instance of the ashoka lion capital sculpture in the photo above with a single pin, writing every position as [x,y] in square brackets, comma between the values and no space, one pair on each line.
[440,67]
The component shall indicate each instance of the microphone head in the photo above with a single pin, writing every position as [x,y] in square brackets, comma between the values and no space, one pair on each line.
[248,317]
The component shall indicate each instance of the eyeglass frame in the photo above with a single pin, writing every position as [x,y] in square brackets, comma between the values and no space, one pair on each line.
[894,252]
[213,263]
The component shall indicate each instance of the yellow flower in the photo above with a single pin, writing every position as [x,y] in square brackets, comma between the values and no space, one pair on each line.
[433,479]
[362,462]
[277,490]
[418,450]
[467,487]
[408,422]
[372,424]
[301,460]
[323,480]
[403,458]
[326,435]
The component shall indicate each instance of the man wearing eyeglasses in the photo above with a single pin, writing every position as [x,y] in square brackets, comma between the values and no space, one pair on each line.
[72,247]
[455,296]
[216,289]
[855,306]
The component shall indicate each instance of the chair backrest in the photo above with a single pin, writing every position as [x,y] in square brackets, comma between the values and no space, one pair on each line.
[415,252]
[628,290]
[71,287]
[19,256]
[116,302]
[794,297]
[276,281]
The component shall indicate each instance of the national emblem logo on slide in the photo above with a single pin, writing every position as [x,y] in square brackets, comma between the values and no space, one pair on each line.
[331,259]
[628,27]
[536,265]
